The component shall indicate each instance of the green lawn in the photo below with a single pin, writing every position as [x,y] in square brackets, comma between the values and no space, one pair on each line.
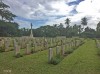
[83,60]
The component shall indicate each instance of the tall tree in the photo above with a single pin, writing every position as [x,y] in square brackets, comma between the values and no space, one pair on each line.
[5,13]
[98,27]
[2,5]
[7,28]
[84,22]
[75,30]
[98,30]
[67,22]
[2,9]
[61,29]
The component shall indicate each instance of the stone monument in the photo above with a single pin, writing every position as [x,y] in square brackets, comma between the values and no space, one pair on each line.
[31,35]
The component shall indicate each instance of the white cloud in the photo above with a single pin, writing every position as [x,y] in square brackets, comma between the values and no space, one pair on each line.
[19,8]
[38,9]
[61,8]
[87,8]
[44,9]
[71,0]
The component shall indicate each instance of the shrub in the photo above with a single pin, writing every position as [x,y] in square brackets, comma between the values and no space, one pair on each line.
[75,48]
[18,55]
[57,59]
[69,51]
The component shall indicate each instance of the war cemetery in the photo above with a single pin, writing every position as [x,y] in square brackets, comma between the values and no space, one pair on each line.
[62,48]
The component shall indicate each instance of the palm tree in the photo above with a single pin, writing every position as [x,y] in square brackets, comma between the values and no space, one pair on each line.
[84,22]
[98,30]
[67,22]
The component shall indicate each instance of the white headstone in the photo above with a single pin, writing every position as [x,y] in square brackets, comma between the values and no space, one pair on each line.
[50,55]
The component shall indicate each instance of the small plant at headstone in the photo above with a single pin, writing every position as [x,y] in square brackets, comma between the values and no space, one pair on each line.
[57,59]
[18,55]
[69,51]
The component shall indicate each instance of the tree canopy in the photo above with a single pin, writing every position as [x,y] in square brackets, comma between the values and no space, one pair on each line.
[7,26]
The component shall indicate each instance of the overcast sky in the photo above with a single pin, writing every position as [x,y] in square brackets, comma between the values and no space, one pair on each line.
[49,12]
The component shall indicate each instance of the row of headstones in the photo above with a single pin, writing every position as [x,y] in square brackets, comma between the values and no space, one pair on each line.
[23,41]
[28,47]
[36,42]
[61,49]
[8,42]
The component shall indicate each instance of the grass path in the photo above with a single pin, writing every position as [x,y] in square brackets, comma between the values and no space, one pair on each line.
[84,60]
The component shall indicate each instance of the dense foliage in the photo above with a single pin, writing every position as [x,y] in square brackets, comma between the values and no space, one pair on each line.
[60,30]
[8,29]
[7,26]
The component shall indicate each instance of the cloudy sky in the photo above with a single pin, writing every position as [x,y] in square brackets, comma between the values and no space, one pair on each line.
[49,12]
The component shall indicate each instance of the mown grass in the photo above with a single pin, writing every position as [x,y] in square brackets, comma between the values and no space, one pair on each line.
[84,60]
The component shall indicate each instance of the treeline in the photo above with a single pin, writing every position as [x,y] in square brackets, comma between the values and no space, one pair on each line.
[60,30]
[9,28]
[69,31]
